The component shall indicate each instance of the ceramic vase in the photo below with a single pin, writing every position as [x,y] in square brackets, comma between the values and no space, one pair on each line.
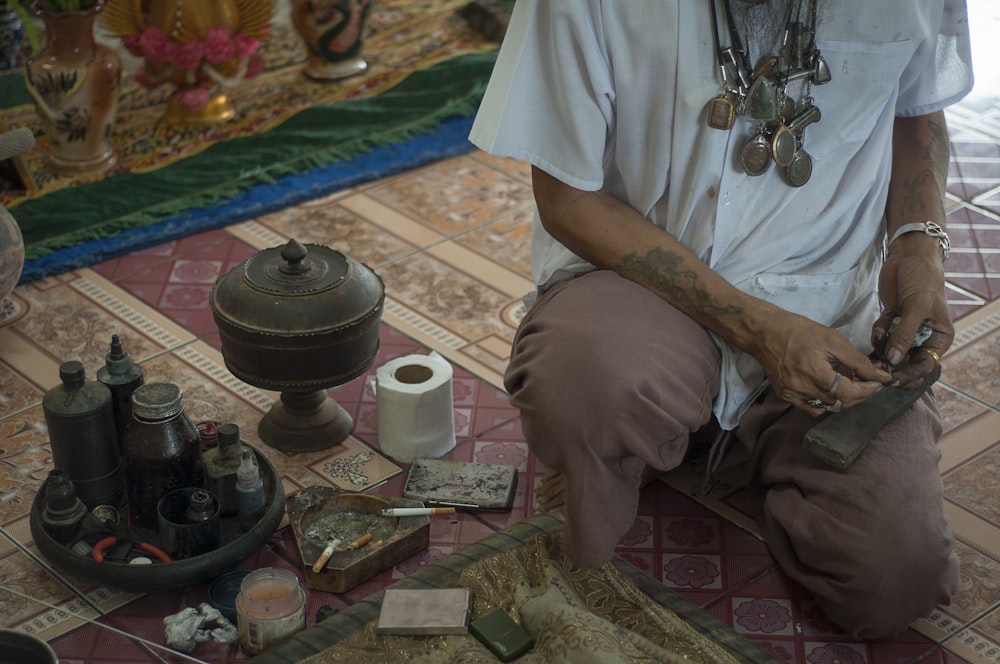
[75,83]
[333,32]
[11,40]
[11,253]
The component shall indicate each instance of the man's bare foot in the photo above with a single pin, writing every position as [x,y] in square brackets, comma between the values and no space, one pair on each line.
[550,494]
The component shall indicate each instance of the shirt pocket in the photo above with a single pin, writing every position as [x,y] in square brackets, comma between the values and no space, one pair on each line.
[837,300]
[862,90]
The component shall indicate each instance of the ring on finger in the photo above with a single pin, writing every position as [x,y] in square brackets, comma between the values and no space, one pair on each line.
[833,388]
[816,403]
[933,354]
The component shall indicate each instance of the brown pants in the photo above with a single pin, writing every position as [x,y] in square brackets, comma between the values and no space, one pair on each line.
[611,381]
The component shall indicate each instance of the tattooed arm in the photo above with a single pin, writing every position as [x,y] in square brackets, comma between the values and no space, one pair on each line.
[796,353]
[911,284]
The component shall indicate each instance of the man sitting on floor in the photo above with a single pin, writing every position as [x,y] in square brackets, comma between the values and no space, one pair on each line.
[715,181]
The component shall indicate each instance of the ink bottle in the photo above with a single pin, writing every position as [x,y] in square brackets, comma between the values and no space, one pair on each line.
[81,426]
[122,376]
[161,451]
[222,464]
[250,489]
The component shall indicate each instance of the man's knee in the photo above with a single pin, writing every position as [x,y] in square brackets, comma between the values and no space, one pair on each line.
[887,595]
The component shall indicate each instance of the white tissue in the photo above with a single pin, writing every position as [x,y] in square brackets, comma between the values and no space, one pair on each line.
[414,402]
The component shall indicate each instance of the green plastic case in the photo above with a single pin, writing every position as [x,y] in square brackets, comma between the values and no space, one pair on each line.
[502,635]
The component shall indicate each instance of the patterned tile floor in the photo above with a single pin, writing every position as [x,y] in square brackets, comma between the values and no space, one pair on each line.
[450,241]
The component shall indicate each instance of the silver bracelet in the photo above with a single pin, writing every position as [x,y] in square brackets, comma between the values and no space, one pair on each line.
[927,228]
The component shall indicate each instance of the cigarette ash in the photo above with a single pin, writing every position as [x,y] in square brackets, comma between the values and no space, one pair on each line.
[349,525]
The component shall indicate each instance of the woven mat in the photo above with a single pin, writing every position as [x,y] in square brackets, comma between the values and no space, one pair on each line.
[613,614]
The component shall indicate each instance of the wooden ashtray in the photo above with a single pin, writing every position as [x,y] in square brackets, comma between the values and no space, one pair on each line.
[319,514]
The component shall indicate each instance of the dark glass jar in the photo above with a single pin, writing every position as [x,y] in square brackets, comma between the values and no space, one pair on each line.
[161,451]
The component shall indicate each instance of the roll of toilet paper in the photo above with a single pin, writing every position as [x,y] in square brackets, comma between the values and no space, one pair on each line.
[415,407]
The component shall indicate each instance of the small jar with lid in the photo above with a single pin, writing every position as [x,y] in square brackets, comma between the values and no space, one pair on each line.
[270,609]
[161,451]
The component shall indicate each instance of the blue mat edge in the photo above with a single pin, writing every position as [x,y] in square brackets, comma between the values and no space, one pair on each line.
[448,139]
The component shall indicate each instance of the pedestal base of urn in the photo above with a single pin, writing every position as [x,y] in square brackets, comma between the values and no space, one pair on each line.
[305,422]
[319,69]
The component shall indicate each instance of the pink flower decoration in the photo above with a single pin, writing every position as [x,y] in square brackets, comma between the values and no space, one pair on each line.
[219,45]
[255,66]
[189,55]
[132,45]
[246,46]
[193,98]
[156,46]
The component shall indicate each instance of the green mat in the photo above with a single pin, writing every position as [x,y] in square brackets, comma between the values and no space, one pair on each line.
[315,137]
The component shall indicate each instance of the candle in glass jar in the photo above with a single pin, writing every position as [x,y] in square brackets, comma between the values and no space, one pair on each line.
[270,609]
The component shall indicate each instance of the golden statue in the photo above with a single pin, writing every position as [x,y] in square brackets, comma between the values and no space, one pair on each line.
[202,47]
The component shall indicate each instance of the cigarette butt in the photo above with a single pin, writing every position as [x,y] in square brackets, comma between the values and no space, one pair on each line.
[325,556]
[361,541]
[418,511]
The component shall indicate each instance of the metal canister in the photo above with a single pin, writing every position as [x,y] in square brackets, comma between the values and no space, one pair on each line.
[81,423]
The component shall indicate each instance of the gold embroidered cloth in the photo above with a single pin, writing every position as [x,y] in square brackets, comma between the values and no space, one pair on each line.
[612,614]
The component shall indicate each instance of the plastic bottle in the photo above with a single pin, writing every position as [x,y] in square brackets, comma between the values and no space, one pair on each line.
[81,426]
[161,451]
[250,489]
[222,464]
[122,376]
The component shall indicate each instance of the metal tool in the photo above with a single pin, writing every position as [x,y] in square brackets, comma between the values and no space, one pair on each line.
[840,437]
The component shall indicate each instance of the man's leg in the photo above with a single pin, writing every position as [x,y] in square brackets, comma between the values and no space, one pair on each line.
[871,542]
[610,380]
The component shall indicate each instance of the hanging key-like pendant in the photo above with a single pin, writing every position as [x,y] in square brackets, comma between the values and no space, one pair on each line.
[756,155]
[800,169]
[784,142]
[721,112]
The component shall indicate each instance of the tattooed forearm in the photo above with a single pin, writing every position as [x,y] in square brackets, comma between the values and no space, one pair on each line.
[913,199]
[922,172]
[659,270]
[938,150]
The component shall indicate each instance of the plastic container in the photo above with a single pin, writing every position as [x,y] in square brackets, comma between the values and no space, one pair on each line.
[223,590]
[250,490]
[270,609]
[189,522]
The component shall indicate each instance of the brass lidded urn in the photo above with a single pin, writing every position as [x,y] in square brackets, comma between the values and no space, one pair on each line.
[299,319]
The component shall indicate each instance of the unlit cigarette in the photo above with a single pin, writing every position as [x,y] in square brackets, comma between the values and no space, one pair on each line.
[325,556]
[418,511]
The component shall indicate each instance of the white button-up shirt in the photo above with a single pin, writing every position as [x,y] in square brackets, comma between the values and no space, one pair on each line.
[613,94]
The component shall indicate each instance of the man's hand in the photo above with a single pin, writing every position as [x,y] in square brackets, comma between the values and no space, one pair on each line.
[813,367]
[911,284]
[911,287]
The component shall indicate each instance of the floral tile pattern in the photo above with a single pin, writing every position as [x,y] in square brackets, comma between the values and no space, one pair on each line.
[450,241]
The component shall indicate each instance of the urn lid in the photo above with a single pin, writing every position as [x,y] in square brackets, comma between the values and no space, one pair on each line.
[297,289]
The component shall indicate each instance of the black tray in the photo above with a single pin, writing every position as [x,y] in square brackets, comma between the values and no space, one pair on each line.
[235,547]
